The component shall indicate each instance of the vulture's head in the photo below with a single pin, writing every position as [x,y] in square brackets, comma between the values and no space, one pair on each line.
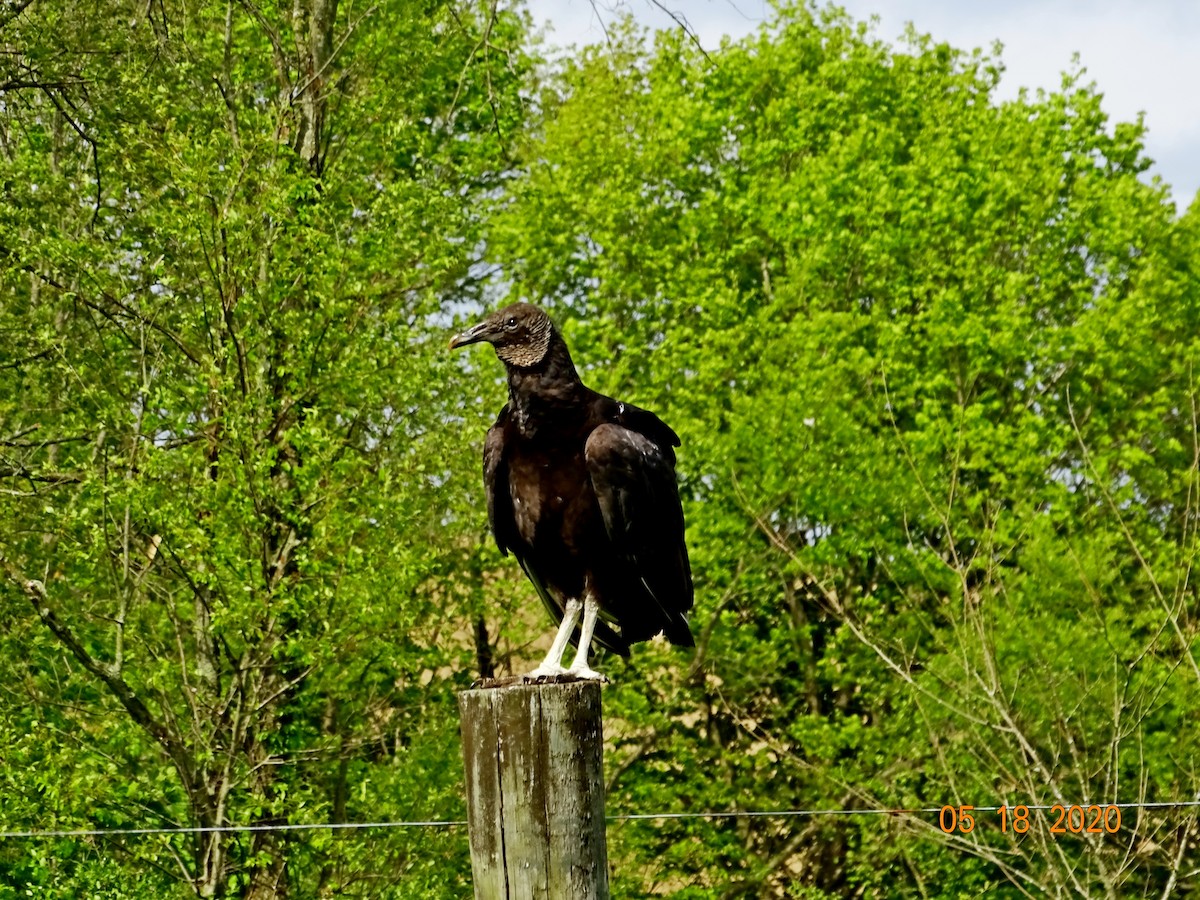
[521,334]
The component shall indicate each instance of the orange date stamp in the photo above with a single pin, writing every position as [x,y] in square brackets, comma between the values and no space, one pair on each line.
[1092,819]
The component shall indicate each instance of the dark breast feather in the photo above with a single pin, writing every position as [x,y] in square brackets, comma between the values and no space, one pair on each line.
[507,531]
[500,508]
[495,484]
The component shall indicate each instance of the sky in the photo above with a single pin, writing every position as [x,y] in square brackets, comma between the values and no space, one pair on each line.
[1144,55]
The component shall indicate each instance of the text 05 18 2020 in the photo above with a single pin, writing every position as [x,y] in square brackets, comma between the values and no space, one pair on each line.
[1091,819]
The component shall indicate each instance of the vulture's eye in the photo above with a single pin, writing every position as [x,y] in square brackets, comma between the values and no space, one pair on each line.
[511,323]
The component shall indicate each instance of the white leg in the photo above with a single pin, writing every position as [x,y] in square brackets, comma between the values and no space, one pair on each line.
[579,667]
[552,664]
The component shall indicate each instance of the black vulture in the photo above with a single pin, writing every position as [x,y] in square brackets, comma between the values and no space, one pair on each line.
[581,488]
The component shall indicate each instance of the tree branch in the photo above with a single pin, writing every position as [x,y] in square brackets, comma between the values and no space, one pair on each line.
[138,711]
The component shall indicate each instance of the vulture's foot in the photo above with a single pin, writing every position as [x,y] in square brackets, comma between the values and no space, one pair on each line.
[545,671]
[550,674]
[584,673]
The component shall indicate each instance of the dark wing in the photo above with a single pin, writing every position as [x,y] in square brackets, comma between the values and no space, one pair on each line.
[495,485]
[646,424]
[634,480]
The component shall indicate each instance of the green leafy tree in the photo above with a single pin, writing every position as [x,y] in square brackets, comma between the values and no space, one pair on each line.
[931,355]
[229,236]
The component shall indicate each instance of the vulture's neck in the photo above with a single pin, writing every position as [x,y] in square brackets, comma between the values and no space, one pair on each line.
[542,394]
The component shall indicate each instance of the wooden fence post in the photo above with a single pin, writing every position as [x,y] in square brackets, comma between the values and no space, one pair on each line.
[535,791]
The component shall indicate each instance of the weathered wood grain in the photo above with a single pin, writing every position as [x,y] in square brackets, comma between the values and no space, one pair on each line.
[535,791]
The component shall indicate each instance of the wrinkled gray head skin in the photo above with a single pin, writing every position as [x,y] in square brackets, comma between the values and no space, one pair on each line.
[520,333]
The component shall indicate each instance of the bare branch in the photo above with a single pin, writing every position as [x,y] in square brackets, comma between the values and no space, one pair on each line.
[11,471]
[15,8]
[39,599]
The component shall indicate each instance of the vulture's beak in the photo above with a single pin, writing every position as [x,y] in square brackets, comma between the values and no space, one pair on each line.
[472,335]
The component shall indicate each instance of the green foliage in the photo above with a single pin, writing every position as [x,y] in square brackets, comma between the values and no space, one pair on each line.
[931,358]
[232,235]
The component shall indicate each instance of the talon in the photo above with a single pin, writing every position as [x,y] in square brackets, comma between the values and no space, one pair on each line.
[544,672]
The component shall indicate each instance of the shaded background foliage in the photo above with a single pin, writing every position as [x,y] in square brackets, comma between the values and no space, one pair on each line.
[931,356]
